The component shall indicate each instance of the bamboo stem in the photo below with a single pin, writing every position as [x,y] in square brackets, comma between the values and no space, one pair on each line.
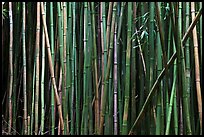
[197,68]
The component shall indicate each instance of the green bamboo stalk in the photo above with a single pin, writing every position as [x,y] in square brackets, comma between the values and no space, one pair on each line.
[173,91]
[108,29]
[89,76]
[127,76]
[52,53]
[183,79]
[10,67]
[160,115]
[84,117]
[72,59]
[102,40]
[120,108]
[61,46]
[151,60]
[104,44]
[109,83]
[73,64]
[42,79]
[78,96]
[181,68]
[69,60]
[175,102]
[24,70]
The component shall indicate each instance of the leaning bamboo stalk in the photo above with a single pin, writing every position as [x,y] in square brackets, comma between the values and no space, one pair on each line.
[51,69]
[11,67]
[153,89]
[24,70]
[173,91]
[192,25]
[197,67]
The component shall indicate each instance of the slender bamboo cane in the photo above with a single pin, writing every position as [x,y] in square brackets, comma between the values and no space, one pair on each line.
[72,59]
[159,117]
[43,79]
[84,118]
[33,97]
[119,90]
[24,70]
[95,71]
[151,60]
[133,72]
[37,67]
[197,68]
[52,54]
[65,65]
[127,76]
[115,83]
[187,55]
[15,65]
[173,91]
[11,67]
[200,6]
[79,88]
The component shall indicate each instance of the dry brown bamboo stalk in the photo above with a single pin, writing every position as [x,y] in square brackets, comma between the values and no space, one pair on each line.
[197,67]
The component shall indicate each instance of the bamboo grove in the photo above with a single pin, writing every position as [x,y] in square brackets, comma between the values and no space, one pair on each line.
[99,68]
